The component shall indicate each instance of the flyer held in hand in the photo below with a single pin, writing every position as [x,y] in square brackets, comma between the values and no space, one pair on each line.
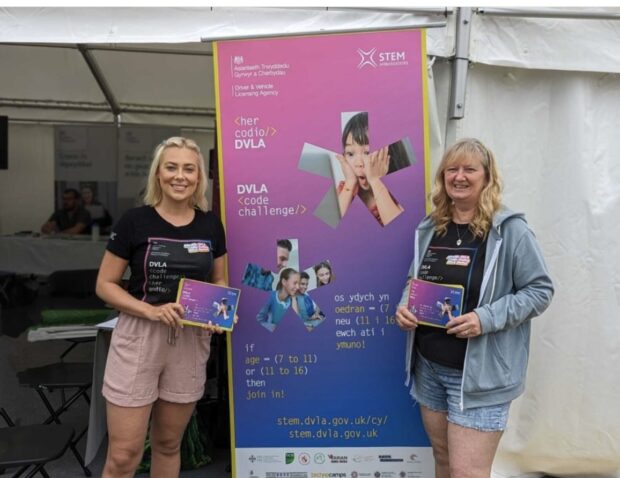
[208,304]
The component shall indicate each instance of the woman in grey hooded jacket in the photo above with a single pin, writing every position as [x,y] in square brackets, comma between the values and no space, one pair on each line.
[465,376]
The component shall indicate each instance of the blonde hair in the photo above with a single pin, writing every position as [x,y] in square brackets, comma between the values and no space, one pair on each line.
[490,196]
[153,193]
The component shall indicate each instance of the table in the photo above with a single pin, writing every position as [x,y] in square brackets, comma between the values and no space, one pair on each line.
[62,332]
[42,254]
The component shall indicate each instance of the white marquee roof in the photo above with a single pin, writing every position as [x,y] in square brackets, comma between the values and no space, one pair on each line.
[142,52]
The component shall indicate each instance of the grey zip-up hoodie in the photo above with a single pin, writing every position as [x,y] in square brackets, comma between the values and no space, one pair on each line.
[516,287]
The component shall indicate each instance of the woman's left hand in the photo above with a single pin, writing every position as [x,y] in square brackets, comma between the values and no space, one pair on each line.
[464,326]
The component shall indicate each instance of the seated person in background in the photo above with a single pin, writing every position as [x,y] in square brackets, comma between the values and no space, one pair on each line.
[71,219]
[98,213]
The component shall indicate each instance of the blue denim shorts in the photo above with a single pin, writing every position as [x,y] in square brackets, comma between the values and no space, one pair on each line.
[439,388]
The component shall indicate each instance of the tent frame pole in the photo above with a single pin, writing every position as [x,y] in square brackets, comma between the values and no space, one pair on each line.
[460,64]
[100,79]
[258,36]
[548,13]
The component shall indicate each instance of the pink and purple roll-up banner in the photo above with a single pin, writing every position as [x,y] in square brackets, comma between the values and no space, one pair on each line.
[323,145]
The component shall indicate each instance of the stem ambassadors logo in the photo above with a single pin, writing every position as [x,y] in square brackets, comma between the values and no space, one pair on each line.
[376,59]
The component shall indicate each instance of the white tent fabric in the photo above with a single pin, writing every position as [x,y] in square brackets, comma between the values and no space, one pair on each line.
[544,94]
[58,76]
[179,25]
[550,44]
[556,149]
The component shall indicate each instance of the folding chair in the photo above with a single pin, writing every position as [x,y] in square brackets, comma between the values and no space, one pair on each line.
[64,376]
[73,379]
[31,445]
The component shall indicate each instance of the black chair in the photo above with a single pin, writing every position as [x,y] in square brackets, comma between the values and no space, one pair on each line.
[33,446]
[75,377]
[70,292]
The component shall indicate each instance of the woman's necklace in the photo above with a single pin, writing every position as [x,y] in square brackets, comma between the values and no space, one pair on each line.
[459,241]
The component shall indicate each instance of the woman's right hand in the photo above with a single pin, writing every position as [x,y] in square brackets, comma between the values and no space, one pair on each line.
[170,314]
[350,178]
[405,319]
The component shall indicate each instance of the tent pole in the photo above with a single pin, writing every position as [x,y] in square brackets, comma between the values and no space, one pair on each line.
[420,24]
[585,14]
[89,106]
[425,11]
[54,122]
[460,66]
[101,81]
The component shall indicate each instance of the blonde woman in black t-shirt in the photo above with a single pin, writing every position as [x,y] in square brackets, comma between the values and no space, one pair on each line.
[156,368]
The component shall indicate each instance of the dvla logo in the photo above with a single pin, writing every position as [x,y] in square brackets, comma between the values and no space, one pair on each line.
[367,58]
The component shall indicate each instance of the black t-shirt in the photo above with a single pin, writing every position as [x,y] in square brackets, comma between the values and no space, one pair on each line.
[160,254]
[67,219]
[446,263]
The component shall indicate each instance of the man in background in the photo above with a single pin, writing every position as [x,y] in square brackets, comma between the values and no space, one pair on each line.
[71,219]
